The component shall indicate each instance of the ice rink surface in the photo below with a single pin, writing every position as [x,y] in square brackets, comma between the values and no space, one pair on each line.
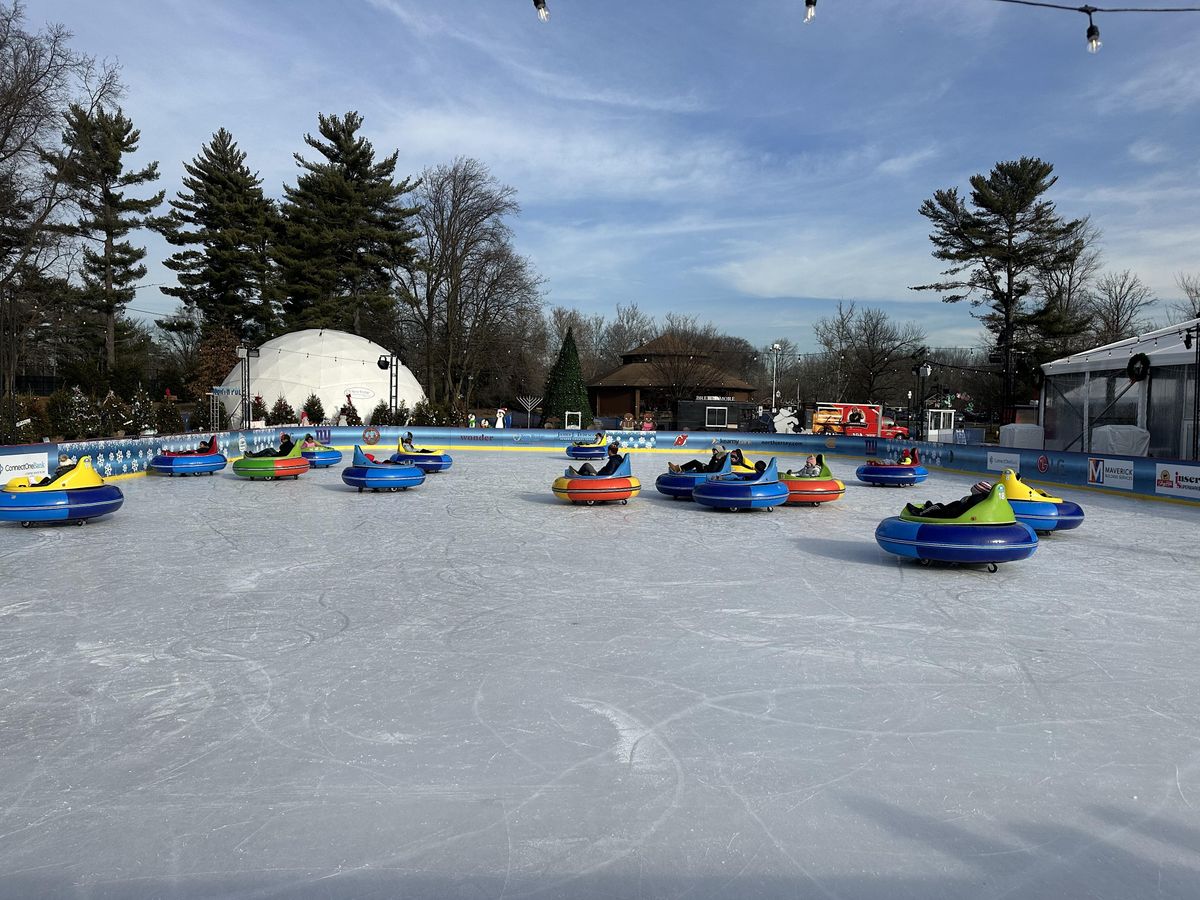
[474,690]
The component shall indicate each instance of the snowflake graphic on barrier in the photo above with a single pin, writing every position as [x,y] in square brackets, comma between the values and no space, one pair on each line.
[634,439]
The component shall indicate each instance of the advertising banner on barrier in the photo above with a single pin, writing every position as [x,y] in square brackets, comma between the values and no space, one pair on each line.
[998,462]
[1138,476]
[1110,473]
[32,465]
[1178,481]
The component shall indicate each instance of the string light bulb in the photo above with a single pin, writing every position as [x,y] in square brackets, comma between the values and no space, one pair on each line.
[1093,36]
[543,13]
[810,10]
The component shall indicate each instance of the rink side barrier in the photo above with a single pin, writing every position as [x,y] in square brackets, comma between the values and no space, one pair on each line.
[1160,479]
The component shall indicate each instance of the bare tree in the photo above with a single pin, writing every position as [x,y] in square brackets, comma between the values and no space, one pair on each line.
[1189,283]
[628,330]
[468,285]
[1117,306]
[1057,325]
[872,351]
[40,76]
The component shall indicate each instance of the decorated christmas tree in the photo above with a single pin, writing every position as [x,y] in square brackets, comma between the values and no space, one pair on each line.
[114,414]
[83,419]
[351,414]
[258,409]
[565,391]
[141,413]
[167,419]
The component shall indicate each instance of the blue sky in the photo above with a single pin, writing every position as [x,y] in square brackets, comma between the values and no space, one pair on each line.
[714,158]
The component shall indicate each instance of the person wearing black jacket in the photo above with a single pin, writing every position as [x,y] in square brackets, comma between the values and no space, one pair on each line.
[285,447]
[714,464]
[610,465]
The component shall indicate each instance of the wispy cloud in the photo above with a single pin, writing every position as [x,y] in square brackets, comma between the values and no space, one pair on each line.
[1166,82]
[1149,152]
[902,165]
[570,160]
[830,261]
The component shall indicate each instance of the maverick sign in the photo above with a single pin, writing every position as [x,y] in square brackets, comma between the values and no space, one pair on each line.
[1178,481]
[1110,473]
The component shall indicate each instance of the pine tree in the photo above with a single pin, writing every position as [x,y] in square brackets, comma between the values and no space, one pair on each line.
[58,406]
[14,410]
[141,412]
[224,223]
[167,419]
[83,420]
[114,414]
[314,409]
[997,246]
[96,175]
[565,391]
[258,409]
[281,413]
[202,418]
[381,414]
[350,412]
[344,230]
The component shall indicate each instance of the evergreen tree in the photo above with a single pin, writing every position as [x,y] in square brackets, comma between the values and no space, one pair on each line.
[83,419]
[57,412]
[224,223]
[258,409]
[434,415]
[281,413]
[350,412]
[381,414]
[998,245]
[167,419]
[202,418]
[96,175]
[141,412]
[565,391]
[14,410]
[314,409]
[344,230]
[114,414]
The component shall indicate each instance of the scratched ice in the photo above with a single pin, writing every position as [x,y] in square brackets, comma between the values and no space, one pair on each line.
[474,690]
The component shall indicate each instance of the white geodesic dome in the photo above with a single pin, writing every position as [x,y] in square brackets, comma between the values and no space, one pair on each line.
[330,364]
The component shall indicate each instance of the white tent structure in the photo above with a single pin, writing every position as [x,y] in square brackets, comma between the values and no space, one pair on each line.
[330,364]
[1092,389]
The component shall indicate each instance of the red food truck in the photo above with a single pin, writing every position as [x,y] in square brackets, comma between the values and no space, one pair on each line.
[856,419]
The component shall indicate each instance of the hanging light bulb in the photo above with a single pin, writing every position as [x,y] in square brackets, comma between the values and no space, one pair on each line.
[543,13]
[1093,36]
[810,10]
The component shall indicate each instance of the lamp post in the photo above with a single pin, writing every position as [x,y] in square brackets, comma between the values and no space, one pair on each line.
[775,351]
[921,373]
[245,354]
[799,362]
[391,365]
